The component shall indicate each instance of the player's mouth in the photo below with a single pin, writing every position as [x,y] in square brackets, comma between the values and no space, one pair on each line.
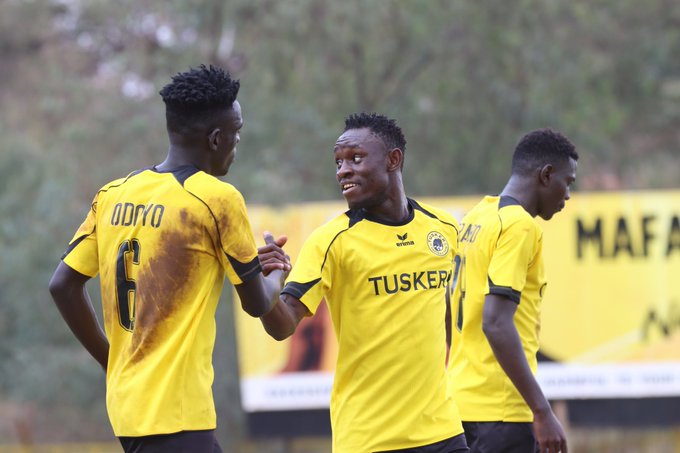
[348,187]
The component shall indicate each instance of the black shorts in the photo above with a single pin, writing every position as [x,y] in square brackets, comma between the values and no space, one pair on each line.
[500,437]
[181,442]
[452,445]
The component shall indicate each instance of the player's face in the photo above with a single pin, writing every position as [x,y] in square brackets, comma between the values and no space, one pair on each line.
[230,136]
[361,168]
[556,192]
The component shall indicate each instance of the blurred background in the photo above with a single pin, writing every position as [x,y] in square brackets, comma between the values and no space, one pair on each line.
[79,107]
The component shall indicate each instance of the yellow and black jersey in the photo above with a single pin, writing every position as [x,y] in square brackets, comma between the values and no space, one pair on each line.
[385,286]
[499,249]
[162,243]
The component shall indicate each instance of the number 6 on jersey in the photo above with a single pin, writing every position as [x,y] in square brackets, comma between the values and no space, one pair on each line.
[125,284]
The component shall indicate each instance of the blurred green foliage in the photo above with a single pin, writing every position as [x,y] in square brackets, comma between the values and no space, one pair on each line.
[78,89]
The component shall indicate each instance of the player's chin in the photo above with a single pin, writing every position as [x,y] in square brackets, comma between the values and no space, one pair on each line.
[353,203]
[548,215]
[228,163]
[225,169]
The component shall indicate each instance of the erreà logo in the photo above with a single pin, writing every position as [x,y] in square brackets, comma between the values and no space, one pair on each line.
[437,243]
[402,240]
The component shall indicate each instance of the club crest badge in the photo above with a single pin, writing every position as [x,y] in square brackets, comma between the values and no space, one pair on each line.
[437,243]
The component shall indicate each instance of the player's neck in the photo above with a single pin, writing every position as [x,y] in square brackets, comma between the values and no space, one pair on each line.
[179,156]
[395,210]
[521,190]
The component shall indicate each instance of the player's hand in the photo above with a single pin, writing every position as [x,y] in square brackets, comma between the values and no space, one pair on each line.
[271,255]
[549,433]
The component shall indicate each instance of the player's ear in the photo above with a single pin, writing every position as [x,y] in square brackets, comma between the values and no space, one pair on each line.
[545,173]
[395,158]
[214,138]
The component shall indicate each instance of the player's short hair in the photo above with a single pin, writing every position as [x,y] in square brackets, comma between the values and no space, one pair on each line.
[382,126]
[541,147]
[194,97]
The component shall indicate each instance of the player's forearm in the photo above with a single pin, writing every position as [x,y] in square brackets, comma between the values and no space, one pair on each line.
[259,295]
[507,347]
[280,322]
[273,287]
[76,309]
[92,337]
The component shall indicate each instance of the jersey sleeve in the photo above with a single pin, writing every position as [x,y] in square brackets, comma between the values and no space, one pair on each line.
[515,250]
[310,279]
[82,252]
[239,253]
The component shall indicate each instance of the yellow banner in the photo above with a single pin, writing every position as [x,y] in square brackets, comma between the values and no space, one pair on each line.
[613,296]
[613,264]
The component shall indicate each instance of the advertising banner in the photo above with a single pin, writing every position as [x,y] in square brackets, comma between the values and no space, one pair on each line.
[611,315]
[610,322]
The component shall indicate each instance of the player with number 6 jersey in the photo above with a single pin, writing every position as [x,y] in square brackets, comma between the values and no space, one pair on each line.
[162,240]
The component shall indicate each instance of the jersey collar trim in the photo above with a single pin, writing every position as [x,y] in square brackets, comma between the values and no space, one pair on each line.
[356,215]
[181,173]
[506,200]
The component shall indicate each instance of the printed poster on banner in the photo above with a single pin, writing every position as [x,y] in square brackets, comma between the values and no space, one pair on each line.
[610,321]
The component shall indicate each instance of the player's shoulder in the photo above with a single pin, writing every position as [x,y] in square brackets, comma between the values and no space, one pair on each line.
[514,218]
[201,179]
[118,182]
[492,208]
[438,214]
[327,232]
[208,187]
[511,211]
[111,184]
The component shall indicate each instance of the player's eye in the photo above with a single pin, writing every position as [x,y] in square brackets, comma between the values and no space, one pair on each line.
[356,159]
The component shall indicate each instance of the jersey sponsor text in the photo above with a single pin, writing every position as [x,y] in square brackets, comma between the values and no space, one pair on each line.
[410,281]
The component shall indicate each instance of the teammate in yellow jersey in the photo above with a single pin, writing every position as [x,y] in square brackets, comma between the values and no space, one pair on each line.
[500,283]
[162,240]
[383,267]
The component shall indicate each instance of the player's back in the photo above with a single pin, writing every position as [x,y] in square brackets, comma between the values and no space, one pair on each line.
[164,242]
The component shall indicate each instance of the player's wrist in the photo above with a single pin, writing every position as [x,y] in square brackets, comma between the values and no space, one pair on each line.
[542,410]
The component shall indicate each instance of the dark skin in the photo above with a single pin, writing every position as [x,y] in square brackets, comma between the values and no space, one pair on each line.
[211,149]
[70,295]
[369,175]
[542,193]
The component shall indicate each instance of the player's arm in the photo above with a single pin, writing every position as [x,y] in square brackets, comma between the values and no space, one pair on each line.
[70,295]
[282,320]
[259,294]
[500,330]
